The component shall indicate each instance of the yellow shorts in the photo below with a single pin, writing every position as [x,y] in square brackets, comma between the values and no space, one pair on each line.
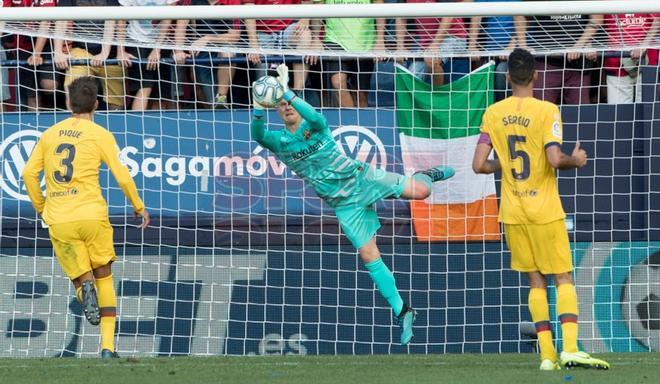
[111,76]
[539,247]
[81,246]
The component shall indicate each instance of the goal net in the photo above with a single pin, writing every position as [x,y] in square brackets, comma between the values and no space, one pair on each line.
[243,258]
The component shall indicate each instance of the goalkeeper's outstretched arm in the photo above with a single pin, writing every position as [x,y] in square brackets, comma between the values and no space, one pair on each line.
[260,134]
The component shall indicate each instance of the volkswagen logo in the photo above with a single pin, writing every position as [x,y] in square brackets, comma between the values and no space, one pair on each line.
[14,153]
[361,144]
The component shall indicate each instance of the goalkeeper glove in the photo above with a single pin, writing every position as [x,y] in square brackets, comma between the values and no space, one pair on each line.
[283,76]
[255,105]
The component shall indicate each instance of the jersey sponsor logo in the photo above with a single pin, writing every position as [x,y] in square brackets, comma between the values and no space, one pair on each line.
[361,144]
[303,153]
[630,20]
[68,192]
[15,151]
[525,193]
[565,17]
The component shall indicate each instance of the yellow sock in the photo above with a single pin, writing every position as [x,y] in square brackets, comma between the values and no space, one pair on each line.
[567,308]
[538,307]
[108,304]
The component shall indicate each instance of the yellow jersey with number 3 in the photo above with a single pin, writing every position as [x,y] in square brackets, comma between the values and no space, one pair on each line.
[520,129]
[70,154]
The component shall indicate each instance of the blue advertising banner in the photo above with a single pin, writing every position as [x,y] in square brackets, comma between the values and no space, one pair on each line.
[188,163]
[201,169]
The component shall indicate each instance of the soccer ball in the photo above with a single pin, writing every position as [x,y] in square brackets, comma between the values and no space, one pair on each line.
[267,91]
[641,302]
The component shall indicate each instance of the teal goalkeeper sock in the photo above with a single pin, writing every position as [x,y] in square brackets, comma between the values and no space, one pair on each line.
[424,179]
[384,280]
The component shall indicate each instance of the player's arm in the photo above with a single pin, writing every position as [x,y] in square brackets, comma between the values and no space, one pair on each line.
[480,162]
[110,156]
[315,119]
[31,172]
[560,160]
[520,23]
[260,134]
[552,140]
[649,39]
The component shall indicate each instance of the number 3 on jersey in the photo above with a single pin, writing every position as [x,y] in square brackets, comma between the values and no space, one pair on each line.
[518,153]
[67,163]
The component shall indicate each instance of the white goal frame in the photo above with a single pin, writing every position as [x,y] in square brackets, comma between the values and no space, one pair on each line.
[323,11]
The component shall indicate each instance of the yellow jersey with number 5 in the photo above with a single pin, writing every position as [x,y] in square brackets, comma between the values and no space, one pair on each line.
[70,155]
[520,129]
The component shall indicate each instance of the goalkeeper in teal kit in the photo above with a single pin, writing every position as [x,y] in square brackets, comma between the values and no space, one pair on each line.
[351,187]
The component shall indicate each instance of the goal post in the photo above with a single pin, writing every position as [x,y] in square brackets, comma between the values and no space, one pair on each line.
[243,258]
[323,11]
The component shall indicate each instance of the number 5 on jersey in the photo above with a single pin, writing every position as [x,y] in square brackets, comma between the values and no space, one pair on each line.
[518,153]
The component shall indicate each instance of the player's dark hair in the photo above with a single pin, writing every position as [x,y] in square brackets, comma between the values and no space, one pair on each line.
[83,92]
[521,66]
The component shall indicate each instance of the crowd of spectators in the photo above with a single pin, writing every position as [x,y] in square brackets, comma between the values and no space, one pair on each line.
[137,78]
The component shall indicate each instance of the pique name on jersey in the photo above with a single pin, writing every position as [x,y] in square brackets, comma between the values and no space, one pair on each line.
[516,120]
[70,133]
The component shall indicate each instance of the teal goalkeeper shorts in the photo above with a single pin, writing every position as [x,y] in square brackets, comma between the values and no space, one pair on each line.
[356,214]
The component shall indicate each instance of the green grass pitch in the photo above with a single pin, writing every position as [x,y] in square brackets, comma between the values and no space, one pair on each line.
[627,368]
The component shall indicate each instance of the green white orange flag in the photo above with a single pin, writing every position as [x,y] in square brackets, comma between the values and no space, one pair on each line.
[440,126]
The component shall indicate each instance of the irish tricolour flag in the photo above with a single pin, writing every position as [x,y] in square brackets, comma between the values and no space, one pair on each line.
[440,126]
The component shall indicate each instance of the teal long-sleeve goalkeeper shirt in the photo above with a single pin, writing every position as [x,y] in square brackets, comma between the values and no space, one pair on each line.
[312,153]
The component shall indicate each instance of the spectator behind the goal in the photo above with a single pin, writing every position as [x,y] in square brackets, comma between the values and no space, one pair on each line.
[144,75]
[563,78]
[628,30]
[32,74]
[279,34]
[436,36]
[496,33]
[143,64]
[110,76]
[358,35]
[198,34]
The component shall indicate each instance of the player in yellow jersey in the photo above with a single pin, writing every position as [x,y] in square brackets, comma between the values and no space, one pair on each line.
[70,154]
[526,133]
